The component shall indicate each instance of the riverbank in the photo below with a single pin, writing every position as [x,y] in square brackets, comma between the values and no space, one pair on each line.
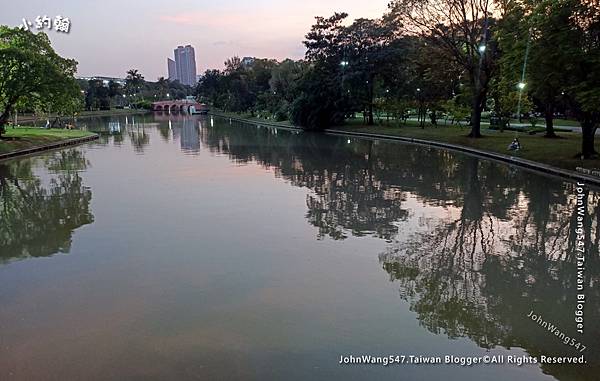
[24,141]
[554,156]
[560,153]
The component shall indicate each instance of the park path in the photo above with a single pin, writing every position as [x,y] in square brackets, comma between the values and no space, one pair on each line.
[524,125]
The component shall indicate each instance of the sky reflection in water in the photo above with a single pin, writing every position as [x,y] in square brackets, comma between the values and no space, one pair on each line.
[177,248]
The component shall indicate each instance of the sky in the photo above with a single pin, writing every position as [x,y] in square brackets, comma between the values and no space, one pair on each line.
[109,37]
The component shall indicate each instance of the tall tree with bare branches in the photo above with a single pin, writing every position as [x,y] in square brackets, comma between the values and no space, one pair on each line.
[462,29]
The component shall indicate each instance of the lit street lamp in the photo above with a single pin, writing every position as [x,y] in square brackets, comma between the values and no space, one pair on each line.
[521,87]
[482,49]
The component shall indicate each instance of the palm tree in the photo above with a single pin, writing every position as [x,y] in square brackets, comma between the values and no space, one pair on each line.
[133,81]
[163,87]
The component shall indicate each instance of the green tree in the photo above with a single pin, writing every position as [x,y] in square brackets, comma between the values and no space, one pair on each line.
[583,51]
[352,61]
[507,99]
[97,96]
[67,103]
[178,90]
[324,39]
[430,86]
[209,87]
[565,60]
[462,31]
[259,74]
[238,94]
[514,39]
[162,87]
[365,49]
[134,82]
[546,77]
[321,101]
[456,109]
[284,86]
[32,73]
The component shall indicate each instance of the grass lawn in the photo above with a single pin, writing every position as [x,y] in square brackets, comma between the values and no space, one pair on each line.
[564,122]
[250,118]
[557,152]
[24,137]
[541,122]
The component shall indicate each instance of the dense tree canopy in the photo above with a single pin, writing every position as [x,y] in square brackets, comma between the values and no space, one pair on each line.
[427,58]
[463,32]
[33,75]
[451,58]
[561,41]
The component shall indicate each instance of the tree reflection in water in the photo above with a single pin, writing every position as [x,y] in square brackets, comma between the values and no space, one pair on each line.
[495,243]
[502,244]
[479,275]
[38,217]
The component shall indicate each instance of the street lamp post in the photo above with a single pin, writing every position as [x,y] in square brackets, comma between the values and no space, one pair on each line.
[421,116]
[521,85]
[344,64]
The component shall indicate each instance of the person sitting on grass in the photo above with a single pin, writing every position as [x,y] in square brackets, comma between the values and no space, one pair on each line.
[515,145]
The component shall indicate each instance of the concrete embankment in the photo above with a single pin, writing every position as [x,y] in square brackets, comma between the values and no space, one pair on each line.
[47,147]
[515,161]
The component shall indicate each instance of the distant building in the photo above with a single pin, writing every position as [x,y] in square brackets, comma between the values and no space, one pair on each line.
[172,70]
[105,80]
[247,61]
[185,65]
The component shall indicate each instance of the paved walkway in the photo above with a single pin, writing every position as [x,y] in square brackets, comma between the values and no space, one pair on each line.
[576,129]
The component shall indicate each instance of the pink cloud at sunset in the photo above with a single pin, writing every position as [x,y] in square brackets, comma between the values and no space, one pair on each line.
[112,36]
[275,32]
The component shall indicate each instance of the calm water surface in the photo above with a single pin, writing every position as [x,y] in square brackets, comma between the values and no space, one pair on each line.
[188,248]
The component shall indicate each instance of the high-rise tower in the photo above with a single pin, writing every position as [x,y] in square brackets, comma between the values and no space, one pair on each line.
[185,64]
[172,70]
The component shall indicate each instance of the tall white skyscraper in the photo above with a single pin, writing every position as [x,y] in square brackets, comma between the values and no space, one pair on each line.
[185,65]
[172,70]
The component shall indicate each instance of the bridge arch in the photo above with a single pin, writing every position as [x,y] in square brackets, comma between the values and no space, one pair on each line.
[182,106]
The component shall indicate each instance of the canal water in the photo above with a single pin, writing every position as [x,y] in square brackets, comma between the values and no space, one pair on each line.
[197,248]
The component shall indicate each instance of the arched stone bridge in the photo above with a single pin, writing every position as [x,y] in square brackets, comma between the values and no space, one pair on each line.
[183,105]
